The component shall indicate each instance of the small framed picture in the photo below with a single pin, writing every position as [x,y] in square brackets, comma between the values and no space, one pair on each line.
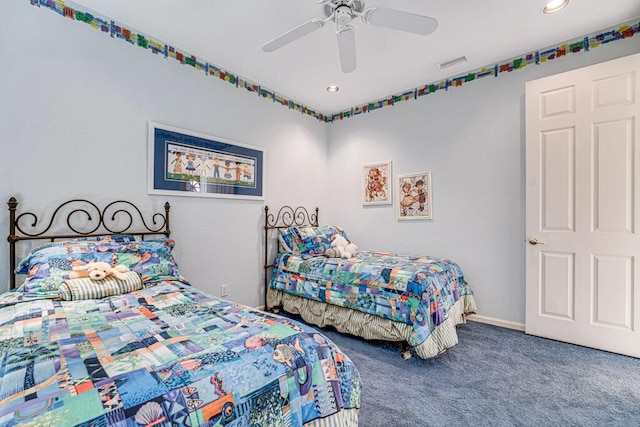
[376,183]
[414,196]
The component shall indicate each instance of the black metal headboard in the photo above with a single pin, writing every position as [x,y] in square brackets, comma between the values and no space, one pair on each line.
[285,218]
[83,218]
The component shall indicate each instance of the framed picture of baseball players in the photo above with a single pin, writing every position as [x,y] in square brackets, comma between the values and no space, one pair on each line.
[187,163]
[414,196]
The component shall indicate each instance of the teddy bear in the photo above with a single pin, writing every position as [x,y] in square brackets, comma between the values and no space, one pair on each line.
[98,271]
[340,247]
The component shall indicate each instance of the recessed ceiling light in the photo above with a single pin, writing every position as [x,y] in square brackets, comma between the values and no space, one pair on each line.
[333,88]
[554,6]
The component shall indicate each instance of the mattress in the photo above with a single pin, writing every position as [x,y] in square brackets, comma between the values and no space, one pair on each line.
[421,292]
[167,354]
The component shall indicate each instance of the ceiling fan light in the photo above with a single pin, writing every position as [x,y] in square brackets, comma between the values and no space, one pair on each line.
[554,6]
[343,15]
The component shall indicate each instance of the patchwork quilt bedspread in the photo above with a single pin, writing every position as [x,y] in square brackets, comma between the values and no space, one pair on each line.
[418,291]
[165,355]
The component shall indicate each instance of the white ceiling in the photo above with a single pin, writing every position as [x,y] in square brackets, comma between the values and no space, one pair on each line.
[230,34]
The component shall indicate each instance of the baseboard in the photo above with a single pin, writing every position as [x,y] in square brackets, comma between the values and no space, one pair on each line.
[496,322]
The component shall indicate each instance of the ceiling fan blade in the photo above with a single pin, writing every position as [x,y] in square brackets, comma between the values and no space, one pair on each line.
[398,20]
[347,48]
[294,34]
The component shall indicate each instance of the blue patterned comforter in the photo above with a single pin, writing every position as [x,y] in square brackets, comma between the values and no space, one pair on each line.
[418,291]
[166,355]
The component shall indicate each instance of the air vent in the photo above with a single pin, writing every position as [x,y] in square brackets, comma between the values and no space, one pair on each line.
[452,63]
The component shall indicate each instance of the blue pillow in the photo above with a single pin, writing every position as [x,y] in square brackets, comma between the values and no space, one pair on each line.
[314,241]
[60,247]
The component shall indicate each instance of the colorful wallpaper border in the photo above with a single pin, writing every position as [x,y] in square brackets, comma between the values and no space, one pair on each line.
[123,32]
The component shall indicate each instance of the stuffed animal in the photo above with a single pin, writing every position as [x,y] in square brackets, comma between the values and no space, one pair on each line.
[350,250]
[332,253]
[98,271]
[341,247]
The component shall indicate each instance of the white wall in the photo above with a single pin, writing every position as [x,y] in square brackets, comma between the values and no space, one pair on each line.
[472,139]
[75,106]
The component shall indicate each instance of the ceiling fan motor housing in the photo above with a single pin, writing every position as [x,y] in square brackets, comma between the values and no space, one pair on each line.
[348,7]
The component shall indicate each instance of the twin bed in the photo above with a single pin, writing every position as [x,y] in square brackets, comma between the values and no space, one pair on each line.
[374,295]
[153,350]
[162,354]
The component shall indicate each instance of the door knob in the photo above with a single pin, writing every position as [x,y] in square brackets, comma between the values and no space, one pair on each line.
[534,241]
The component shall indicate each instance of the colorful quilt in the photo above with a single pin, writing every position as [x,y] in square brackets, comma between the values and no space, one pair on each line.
[166,355]
[418,291]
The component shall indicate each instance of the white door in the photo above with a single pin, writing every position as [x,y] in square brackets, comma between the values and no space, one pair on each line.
[583,206]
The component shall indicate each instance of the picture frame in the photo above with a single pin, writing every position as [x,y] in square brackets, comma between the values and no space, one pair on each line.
[414,196]
[376,184]
[188,163]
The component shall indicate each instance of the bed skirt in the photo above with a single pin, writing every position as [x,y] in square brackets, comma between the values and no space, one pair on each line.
[344,418]
[371,327]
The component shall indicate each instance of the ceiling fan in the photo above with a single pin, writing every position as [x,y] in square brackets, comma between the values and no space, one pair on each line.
[342,12]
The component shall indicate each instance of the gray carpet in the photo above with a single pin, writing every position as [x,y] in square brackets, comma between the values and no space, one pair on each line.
[495,377]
